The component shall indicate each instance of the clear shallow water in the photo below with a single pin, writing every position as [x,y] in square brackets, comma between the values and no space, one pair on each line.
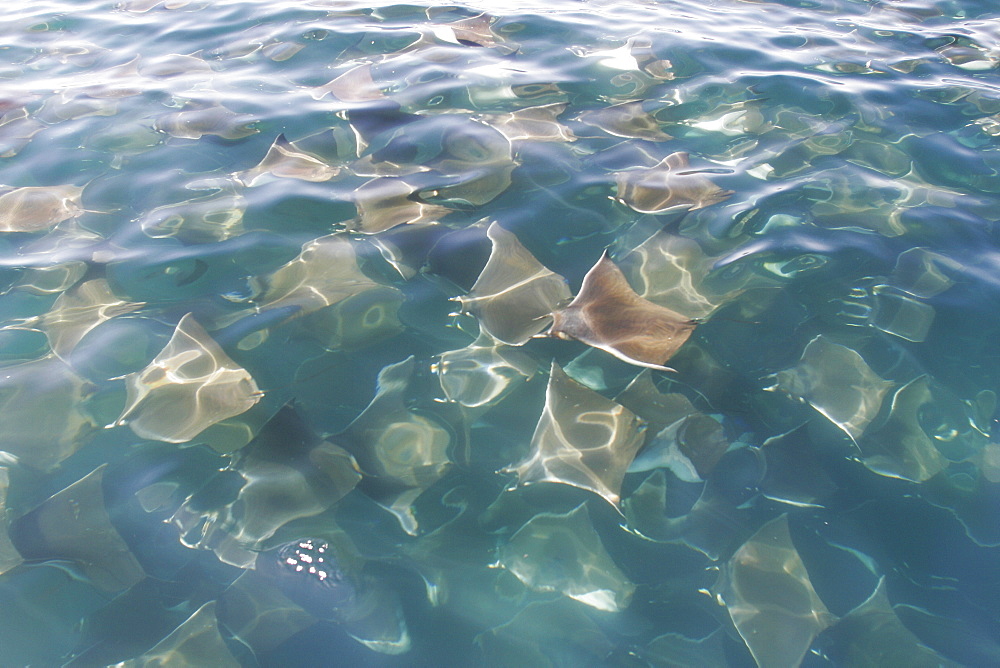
[214,211]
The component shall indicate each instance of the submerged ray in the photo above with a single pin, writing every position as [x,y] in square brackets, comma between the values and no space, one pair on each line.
[607,314]
[475,163]
[659,409]
[515,294]
[766,588]
[43,412]
[74,525]
[628,119]
[16,130]
[38,208]
[690,448]
[259,615]
[79,310]
[668,185]
[9,556]
[214,217]
[873,635]
[296,583]
[673,271]
[483,372]
[564,554]
[532,124]
[53,279]
[196,642]
[354,85]
[214,119]
[793,470]
[545,633]
[582,439]
[900,448]
[189,386]
[288,473]
[385,202]
[324,273]
[286,160]
[838,383]
[398,445]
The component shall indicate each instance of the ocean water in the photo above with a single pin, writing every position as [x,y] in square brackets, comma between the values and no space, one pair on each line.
[608,333]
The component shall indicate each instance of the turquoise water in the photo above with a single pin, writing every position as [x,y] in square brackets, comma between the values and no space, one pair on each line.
[299,365]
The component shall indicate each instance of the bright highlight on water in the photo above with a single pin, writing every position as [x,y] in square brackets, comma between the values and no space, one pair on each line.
[561,334]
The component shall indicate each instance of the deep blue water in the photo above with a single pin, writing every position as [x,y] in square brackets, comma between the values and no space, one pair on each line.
[299,365]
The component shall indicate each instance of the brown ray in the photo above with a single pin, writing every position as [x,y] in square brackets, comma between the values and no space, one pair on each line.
[607,314]
[667,185]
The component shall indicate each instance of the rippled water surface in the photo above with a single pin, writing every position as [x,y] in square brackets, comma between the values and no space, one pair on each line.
[558,334]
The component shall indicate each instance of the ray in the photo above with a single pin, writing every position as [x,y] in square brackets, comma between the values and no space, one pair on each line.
[79,310]
[635,55]
[794,471]
[214,217]
[399,446]
[535,124]
[118,81]
[674,649]
[74,525]
[286,160]
[690,448]
[66,107]
[324,273]
[671,184]
[385,202]
[582,439]
[289,473]
[873,635]
[39,208]
[196,642]
[607,314]
[53,279]
[10,558]
[357,321]
[659,409]
[838,383]
[769,596]
[189,386]
[16,130]
[259,615]
[483,372]
[545,633]
[171,65]
[563,553]
[476,30]
[628,119]
[900,448]
[476,161]
[354,85]
[43,411]
[673,271]
[196,122]
[515,294]
[318,576]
